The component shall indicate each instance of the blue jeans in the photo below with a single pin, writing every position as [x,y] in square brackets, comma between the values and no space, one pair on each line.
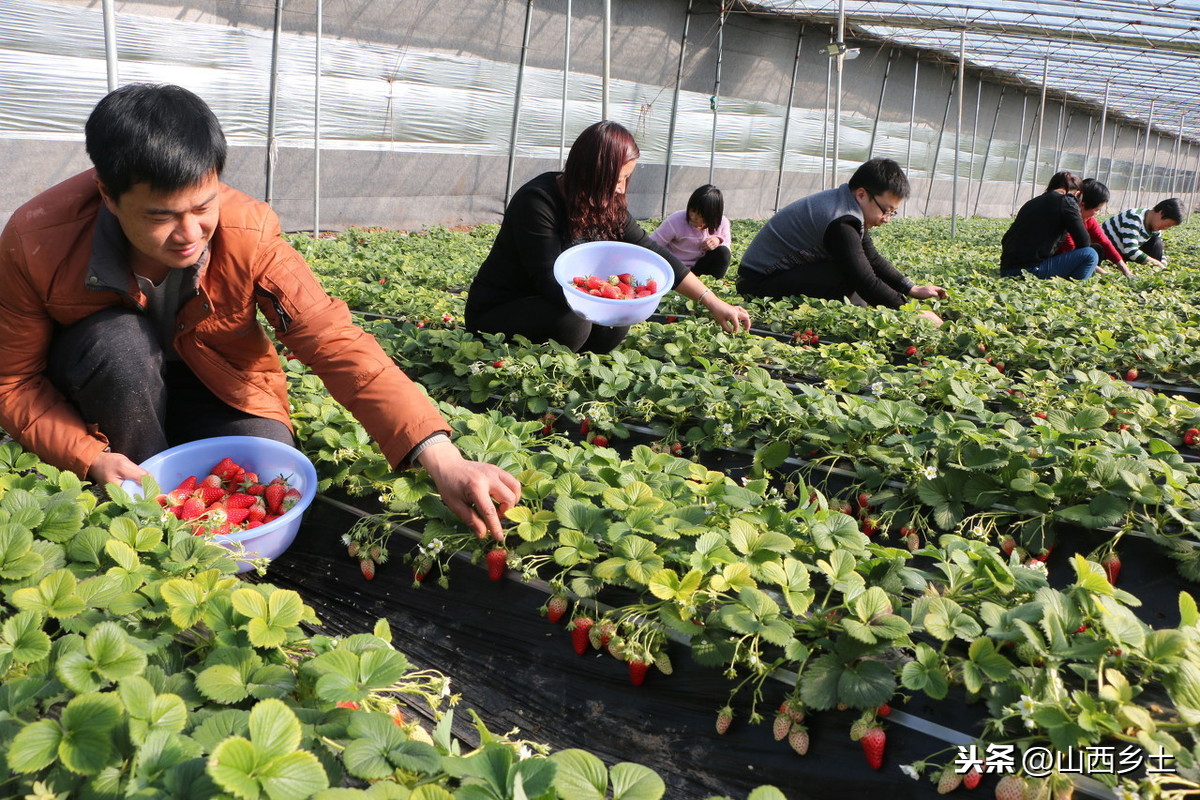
[1079,264]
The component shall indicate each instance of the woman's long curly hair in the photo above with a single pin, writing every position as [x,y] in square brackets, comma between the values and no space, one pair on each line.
[595,211]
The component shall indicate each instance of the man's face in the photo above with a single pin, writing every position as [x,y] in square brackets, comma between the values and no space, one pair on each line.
[877,209]
[1155,221]
[167,229]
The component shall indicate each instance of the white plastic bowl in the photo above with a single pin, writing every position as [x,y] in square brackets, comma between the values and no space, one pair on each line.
[612,258]
[266,457]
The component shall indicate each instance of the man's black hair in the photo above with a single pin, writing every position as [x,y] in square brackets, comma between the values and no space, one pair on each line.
[880,175]
[161,135]
[708,202]
[1095,193]
[1170,209]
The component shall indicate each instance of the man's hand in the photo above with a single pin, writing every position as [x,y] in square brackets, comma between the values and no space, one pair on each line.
[1125,270]
[932,317]
[927,292]
[114,468]
[477,492]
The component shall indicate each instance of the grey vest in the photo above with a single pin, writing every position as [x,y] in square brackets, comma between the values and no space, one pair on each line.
[796,234]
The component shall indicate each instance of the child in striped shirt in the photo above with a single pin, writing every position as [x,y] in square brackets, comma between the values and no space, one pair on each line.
[1135,231]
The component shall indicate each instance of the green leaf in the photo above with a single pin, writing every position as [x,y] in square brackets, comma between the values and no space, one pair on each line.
[222,683]
[635,782]
[580,775]
[22,637]
[54,596]
[274,729]
[186,601]
[294,776]
[35,746]
[249,603]
[766,793]
[113,654]
[233,765]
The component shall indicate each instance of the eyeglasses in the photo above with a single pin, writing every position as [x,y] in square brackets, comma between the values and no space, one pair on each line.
[887,214]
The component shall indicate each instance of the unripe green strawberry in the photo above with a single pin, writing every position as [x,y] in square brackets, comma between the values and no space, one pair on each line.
[662,662]
[724,719]
[859,728]
[368,568]
[949,780]
[353,549]
[782,727]
[798,739]
[794,709]
[1010,787]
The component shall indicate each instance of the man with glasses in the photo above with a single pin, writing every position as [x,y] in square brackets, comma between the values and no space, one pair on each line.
[820,245]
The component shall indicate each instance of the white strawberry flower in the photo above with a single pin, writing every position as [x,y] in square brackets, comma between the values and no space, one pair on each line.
[476,368]
[435,547]
[908,770]
[524,752]
[931,472]
[727,429]
[1026,707]
[445,688]
[877,387]
[1127,792]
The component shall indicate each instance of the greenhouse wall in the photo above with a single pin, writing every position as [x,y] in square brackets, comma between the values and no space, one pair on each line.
[417,107]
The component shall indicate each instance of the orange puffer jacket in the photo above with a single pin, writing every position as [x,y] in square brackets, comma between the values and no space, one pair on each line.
[44,254]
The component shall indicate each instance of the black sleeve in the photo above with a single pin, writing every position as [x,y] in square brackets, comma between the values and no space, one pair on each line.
[886,271]
[1073,223]
[865,269]
[634,234]
[537,241]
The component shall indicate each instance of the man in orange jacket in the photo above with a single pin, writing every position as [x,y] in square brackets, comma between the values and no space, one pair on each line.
[128,316]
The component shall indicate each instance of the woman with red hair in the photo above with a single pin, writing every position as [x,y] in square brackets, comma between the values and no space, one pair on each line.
[515,292]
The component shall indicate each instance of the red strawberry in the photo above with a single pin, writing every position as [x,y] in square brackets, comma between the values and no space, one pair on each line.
[256,489]
[227,468]
[236,516]
[873,742]
[210,480]
[637,671]
[600,441]
[1010,787]
[864,500]
[221,529]
[1131,375]
[398,717]
[1008,545]
[421,567]
[911,351]
[796,337]
[254,523]
[289,500]
[1190,436]
[1000,366]
[209,494]
[972,778]
[884,710]
[1040,414]
[584,427]
[258,512]
[497,563]
[579,634]
[185,487]
[556,608]
[671,318]
[368,568]
[350,704]
[724,719]
[191,508]
[1112,567]
[870,526]
[240,500]
[274,496]
[498,363]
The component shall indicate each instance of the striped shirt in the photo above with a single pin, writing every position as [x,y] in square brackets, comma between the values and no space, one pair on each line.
[1128,232]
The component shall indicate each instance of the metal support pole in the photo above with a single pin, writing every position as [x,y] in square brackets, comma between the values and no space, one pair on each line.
[787,118]
[1103,122]
[1021,156]
[1112,156]
[1064,136]
[1145,147]
[937,150]
[1195,177]
[1037,156]
[687,19]
[912,115]
[272,106]
[317,123]
[962,65]
[837,110]
[110,43]
[988,152]
[1175,155]
[887,70]
[716,95]
[1087,152]
[516,116]
[1154,167]
[607,66]
[562,124]
[825,127]
[974,141]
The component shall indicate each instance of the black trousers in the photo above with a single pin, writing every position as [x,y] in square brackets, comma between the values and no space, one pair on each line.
[715,262]
[110,365]
[540,320]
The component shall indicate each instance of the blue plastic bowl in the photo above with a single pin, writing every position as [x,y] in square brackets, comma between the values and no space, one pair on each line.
[266,457]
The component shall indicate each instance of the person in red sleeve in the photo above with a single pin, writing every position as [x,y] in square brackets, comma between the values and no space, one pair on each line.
[1091,202]
[128,316]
